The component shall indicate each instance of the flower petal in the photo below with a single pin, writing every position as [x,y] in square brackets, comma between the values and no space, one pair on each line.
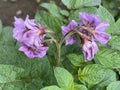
[19,22]
[89,49]
[87,53]
[30,23]
[70,26]
[95,47]
[70,40]
[32,37]
[40,52]
[19,28]
[27,51]
[102,26]
[102,37]
[65,30]
[86,18]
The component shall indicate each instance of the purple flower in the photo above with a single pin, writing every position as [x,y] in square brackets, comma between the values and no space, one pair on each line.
[89,48]
[94,26]
[65,29]
[34,51]
[31,36]
[21,27]
[91,29]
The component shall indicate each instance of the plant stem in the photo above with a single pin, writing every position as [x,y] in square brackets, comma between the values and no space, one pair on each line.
[68,34]
[58,51]
[59,47]
[59,54]
[59,44]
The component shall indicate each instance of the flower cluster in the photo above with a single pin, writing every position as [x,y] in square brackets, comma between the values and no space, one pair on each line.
[90,29]
[31,37]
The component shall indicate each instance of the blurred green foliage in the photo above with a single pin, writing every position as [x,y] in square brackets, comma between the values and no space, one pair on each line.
[113,6]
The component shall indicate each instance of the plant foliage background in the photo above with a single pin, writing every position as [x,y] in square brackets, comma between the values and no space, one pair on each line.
[17,72]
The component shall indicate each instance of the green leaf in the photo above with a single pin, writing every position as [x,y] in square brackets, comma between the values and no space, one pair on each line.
[64,12]
[37,17]
[118,22]
[88,3]
[51,88]
[74,4]
[114,86]
[49,21]
[22,85]
[53,9]
[109,58]
[114,42]
[92,74]
[80,87]
[34,75]
[117,32]
[76,60]
[69,3]
[15,85]
[1,28]
[6,36]
[110,76]
[106,16]
[64,78]
[98,88]
[9,73]
[35,72]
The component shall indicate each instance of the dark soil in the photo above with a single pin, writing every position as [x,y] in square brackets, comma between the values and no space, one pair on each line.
[19,8]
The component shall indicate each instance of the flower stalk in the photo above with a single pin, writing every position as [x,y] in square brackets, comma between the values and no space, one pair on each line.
[59,54]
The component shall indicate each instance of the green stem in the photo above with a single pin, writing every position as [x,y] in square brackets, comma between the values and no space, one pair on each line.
[58,46]
[68,34]
[59,54]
